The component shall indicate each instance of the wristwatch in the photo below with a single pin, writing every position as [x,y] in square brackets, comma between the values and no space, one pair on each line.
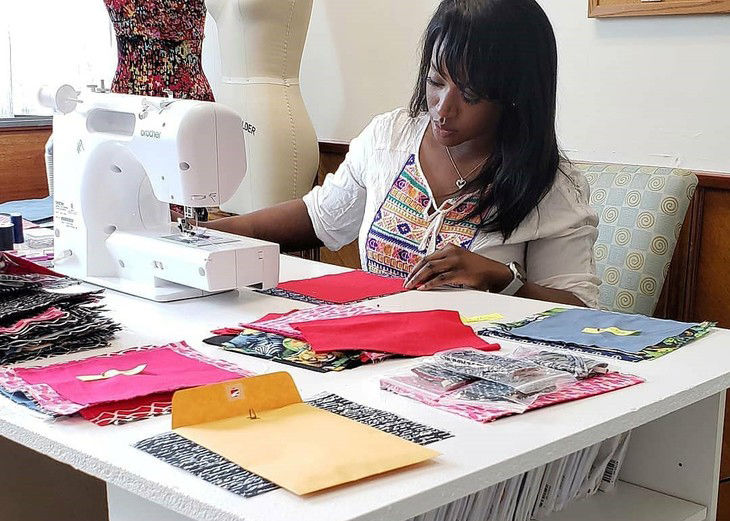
[519,277]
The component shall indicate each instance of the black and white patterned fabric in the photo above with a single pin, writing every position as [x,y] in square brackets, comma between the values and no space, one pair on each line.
[42,315]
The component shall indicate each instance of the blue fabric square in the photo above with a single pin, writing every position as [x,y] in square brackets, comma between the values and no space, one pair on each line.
[567,327]
[35,210]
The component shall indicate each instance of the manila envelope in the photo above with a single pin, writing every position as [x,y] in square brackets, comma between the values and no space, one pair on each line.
[261,424]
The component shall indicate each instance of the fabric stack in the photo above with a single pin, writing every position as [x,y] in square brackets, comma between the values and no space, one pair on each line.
[115,388]
[43,315]
[485,387]
[632,338]
[333,337]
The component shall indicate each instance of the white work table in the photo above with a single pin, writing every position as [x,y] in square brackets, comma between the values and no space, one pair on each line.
[673,460]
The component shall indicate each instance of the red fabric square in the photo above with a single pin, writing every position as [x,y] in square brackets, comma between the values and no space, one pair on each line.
[343,288]
[115,413]
[417,333]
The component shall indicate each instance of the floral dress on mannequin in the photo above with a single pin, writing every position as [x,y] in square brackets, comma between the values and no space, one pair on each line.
[159,45]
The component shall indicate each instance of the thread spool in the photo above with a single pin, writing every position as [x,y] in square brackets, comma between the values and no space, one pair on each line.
[6,236]
[17,220]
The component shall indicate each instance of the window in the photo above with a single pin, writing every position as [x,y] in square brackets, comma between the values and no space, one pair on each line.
[52,42]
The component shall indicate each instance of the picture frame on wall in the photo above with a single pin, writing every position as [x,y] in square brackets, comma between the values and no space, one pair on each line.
[618,8]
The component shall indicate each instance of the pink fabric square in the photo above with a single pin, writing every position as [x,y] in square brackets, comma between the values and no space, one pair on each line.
[413,333]
[342,288]
[166,370]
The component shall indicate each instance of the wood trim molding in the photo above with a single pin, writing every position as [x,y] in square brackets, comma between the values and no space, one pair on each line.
[7,130]
[713,180]
[596,8]
[692,262]
[22,163]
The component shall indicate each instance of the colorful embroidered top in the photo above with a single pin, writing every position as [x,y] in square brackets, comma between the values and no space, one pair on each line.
[407,227]
[159,45]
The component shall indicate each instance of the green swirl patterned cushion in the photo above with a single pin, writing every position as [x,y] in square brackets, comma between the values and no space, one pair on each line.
[641,210]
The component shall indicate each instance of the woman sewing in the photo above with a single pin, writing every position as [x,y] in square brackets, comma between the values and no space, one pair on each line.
[466,186]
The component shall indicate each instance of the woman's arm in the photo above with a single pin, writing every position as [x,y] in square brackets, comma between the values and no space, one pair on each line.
[454,265]
[537,292]
[287,224]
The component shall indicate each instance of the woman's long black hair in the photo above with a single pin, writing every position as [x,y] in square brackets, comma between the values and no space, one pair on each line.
[503,51]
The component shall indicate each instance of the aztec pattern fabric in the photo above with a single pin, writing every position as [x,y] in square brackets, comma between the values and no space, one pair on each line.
[159,44]
[412,386]
[209,466]
[641,211]
[57,389]
[393,245]
[512,331]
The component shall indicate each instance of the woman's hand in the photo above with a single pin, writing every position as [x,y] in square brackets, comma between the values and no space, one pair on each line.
[454,265]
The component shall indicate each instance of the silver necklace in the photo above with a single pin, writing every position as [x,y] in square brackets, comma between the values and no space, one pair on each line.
[461,182]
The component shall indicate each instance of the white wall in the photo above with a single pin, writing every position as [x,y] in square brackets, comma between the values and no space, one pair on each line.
[361,59]
[634,90]
[652,90]
[51,44]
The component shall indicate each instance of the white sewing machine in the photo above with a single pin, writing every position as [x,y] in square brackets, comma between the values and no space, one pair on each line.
[119,160]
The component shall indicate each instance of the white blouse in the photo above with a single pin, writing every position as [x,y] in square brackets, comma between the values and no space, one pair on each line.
[554,242]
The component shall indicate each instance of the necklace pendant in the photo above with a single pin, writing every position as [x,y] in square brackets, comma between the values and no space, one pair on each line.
[460,183]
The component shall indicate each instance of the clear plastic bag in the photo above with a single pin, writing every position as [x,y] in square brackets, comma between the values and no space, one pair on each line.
[433,385]
[492,395]
[523,376]
[579,366]
[441,376]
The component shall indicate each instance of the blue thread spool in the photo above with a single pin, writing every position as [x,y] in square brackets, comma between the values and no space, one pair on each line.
[17,221]
[6,236]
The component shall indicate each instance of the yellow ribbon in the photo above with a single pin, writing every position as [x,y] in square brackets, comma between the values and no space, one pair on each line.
[482,318]
[613,330]
[111,373]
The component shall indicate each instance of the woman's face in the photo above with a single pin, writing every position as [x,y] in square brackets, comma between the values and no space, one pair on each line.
[456,116]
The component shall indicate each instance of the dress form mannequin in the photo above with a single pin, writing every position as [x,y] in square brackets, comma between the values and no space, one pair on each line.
[159,44]
[261,46]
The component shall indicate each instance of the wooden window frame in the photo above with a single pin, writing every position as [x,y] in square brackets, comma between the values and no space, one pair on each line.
[664,7]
